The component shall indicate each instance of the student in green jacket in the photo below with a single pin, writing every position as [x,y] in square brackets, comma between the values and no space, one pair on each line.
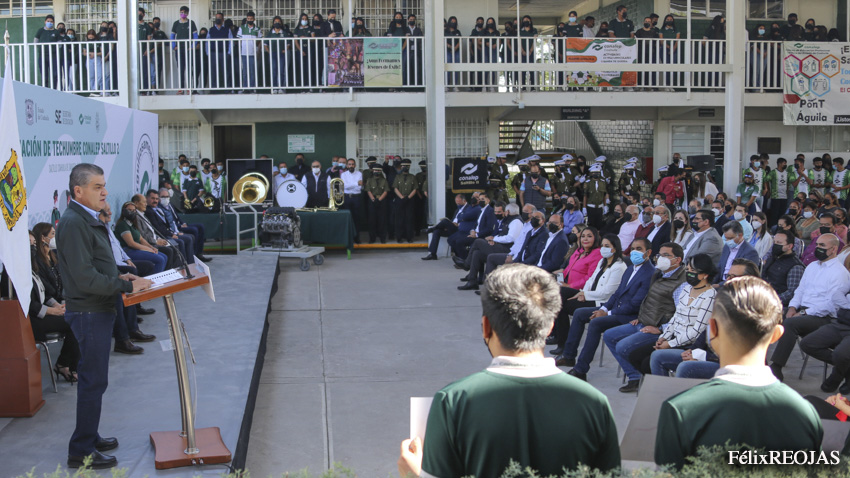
[744,404]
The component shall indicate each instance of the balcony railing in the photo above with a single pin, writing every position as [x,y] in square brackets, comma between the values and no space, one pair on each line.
[281,65]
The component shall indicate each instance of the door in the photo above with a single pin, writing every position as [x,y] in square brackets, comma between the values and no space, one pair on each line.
[233,142]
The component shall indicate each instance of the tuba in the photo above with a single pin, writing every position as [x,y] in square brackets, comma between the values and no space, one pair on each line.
[252,188]
[337,196]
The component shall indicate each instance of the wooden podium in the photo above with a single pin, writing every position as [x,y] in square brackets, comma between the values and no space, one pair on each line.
[188,446]
[20,364]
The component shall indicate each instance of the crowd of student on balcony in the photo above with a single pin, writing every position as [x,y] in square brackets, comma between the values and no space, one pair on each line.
[237,56]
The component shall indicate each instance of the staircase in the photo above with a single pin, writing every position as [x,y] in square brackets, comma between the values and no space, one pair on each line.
[513,134]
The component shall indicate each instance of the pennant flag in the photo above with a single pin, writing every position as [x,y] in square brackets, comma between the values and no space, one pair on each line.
[14,235]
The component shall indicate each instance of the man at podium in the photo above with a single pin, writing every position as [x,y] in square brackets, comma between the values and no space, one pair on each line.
[85,253]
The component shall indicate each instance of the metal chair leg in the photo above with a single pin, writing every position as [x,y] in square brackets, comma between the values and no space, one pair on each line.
[49,365]
[825,366]
[601,354]
[805,361]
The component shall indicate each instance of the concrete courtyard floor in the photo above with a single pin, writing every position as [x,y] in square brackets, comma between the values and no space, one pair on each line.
[351,341]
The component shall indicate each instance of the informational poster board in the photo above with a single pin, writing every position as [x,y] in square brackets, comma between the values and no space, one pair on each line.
[816,83]
[382,62]
[601,51]
[301,143]
[469,175]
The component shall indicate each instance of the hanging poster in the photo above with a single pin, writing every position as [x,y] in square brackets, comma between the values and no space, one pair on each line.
[382,62]
[601,51]
[345,63]
[816,86]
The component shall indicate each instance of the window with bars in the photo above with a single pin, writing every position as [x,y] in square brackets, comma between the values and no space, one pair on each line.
[176,138]
[466,138]
[390,138]
[83,15]
[699,8]
[265,10]
[34,7]
[766,9]
[378,13]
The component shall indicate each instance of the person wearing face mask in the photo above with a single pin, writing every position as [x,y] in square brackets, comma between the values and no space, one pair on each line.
[299,169]
[782,268]
[761,240]
[46,262]
[535,189]
[620,308]
[463,216]
[277,47]
[826,225]
[476,51]
[814,303]
[302,52]
[509,53]
[484,227]
[219,50]
[452,51]
[527,51]
[193,188]
[829,344]
[217,184]
[734,247]
[614,221]
[535,241]
[157,54]
[583,256]
[519,179]
[404,186]
[249,35]
[514,328]
[317,60]
[840,181]
[777,181]
[359,29]
[411,53]
[681,232]
[595,196]
[352,180]
[508,228]
[180,174]
[621,26]
[318,185]
[747,193]
[628,229]
[705,240]
[332,28]
[283,175]
[747,318]
[660,233]
[657,309]
[377,191]
[820,177]
[555,248]
[808,222]
[647,51]
[47,58]
[740,215]
[497,259]
[183,29]
[629,181]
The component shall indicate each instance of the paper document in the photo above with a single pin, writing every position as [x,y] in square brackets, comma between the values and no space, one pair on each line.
[419,408]
[205,269]
[164,277]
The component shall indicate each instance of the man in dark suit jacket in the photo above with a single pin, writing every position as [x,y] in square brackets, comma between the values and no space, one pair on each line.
[556,246]
[621,308]
[446,227]
[535,241]
[484,226]
[661,232]
[733,235]
[156,217]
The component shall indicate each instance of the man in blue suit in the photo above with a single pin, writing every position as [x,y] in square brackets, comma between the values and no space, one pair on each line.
[446,227]
[734,247]
[621,308]
[535,241]
[197,231]
[556,245]
[484,226]
[660,234]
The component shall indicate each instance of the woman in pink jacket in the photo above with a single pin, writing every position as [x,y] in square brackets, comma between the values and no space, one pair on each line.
[583,259]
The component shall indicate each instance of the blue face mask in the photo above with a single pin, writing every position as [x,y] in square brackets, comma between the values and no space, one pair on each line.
[637,258]
[283,171]
[185,169]
[730,243]
[48,25]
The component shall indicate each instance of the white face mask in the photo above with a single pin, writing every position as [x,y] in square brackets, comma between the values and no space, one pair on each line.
[738,216]
[663,264]
[572,19]
[656,202]
[656,218]
[717,212]
[807,214]
[606,252]
[53,243]
[317,170]
[756,224]
[304,22]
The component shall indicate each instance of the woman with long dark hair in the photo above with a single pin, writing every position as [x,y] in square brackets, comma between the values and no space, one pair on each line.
[46,260]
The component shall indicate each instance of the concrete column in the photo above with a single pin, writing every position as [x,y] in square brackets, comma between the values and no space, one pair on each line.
[206,142]
[736,44]
[127,38]
[492,133]
[435,109]
[351,140]
[467,12]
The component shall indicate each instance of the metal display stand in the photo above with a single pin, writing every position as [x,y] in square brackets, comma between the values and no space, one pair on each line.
[304,253]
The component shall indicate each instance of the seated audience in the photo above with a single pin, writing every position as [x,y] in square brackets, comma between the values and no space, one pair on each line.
[629,228]
[681,232]
[46,316]
[508,229]
[156,216]
[657,309]
[706,238]
[572,213]
[497,259]
[46,260]
[786,223]
[195,230]
[783,269]
[614,221]
[831,344]
[465,439]
[813,304]
[552,256]
[740,215]
[619,309]
[596,291]
[761,240]
[739,406]
[465,216]
[720,217]
[827,226]
[808,223]
[135,245]
[483,226]
[660,234]
[735,247]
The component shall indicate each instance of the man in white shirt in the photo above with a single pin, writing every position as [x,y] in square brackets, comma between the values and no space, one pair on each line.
[352,180]
[630,227]
[281,176]
[813,304]
[497,259]
[588,31]
[508,230]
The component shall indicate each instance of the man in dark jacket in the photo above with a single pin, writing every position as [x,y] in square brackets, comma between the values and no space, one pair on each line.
[85,253]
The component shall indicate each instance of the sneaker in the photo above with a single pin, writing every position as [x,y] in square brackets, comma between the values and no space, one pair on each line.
[631,386]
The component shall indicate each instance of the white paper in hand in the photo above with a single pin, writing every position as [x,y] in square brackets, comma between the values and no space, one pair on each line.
[419,408]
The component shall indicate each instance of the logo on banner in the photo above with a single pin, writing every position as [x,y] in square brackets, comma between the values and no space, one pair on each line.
[143,164]
[12,191]
[469,169]
[30,109]
[97,122]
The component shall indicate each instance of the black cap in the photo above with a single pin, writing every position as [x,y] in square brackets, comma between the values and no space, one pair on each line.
[371,159]
[331,12]
[422,163]
[405,162]
[377,167]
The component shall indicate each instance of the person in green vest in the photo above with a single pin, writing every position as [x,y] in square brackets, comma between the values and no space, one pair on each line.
[404,187]
[519,178]
[757,170]
[778,180]
[193,187]
[558,179]
[218,184]
[747,193]
[739,405]
[595,197]
[840,181]
[181,173]
[821,179]
[377,191]
[571,174]
[514,410]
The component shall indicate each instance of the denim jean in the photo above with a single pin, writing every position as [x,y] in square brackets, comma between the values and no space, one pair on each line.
[93,331]
[595,329]
[697,369]
[126,321]
[662,362]
[622,341]
[279,73]
[159,259]
[95,69]
[452,79]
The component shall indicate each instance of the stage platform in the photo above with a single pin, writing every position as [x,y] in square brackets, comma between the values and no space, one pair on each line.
[228,340]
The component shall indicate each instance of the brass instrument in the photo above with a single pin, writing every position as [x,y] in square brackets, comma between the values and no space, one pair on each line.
[337,195]
[252,188]
[209,201]
[187,204]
